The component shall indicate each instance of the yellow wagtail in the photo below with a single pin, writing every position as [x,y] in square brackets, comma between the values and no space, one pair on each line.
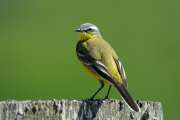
[100,61]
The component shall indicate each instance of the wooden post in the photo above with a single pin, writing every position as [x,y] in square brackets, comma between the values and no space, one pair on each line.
[78,110]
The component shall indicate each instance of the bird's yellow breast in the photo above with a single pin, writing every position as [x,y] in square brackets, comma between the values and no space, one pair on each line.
[86,36]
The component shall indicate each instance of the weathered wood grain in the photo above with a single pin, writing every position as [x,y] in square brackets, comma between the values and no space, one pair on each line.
[78,110]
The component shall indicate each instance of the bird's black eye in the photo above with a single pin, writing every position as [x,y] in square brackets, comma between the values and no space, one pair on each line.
[90,29]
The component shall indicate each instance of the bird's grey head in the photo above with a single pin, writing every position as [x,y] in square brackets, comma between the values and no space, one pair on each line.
[88,28]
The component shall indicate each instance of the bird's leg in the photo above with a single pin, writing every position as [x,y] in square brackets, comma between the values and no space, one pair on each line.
[108,93]
[102,85]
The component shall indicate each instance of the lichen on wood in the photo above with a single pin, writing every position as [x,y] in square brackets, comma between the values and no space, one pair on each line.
[78,110]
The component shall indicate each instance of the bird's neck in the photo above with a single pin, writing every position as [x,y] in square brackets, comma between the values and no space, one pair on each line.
[86,36]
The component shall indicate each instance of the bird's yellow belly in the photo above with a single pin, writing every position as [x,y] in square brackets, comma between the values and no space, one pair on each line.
[91,73]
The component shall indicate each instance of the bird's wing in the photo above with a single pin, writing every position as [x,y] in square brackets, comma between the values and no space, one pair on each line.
[97,66]
[121,71]
[100,69]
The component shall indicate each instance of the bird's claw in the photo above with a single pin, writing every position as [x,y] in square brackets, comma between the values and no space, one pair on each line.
[106,98]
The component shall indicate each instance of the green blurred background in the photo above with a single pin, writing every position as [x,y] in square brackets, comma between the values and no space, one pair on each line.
[37,49]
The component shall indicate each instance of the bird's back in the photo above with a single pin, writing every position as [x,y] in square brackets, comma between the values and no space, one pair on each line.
[98,48]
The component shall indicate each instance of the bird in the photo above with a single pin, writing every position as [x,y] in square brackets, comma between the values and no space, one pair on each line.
[99,60]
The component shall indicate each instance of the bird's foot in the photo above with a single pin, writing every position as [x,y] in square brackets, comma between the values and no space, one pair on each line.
[91,99]
[106,98]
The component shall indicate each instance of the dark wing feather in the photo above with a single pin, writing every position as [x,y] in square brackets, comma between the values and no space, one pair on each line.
[121,71]
[97,66]
[84,59]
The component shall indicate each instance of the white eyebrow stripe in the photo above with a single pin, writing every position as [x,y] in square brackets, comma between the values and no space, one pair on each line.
[94,27]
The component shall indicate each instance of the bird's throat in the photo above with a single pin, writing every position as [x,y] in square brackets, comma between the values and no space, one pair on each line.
[86,36]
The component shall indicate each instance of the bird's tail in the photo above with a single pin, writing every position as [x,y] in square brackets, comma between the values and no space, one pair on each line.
[127,98]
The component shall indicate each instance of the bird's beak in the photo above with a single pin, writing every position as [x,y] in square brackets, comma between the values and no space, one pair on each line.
[77,30]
